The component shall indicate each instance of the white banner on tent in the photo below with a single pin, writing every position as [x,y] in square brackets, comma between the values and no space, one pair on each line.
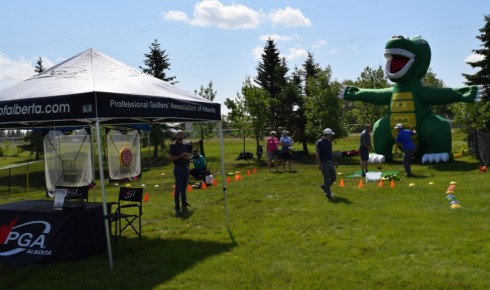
[68,158]
[123,154]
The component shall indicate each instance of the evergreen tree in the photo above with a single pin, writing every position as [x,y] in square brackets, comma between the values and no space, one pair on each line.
[157,63]
[271,76]
[33,144]
[471,117]
[34,140]
[39,65]
[310,70]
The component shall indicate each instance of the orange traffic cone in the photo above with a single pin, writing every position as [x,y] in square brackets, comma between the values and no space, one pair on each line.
[215,182]
[255,171]
[204,185]
[145,199]
[248,172]
[341,182]
[173,193]
[392,183]
[237,177]
[189,187]
[380,183]
[228,179]
[360,183]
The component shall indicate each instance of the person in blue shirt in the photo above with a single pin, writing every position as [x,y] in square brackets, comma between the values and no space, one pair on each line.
[286,152]
[179,154]
[199,170]
[324,157]
[405,143]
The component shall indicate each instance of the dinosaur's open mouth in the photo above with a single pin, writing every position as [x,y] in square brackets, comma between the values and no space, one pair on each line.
[398,62]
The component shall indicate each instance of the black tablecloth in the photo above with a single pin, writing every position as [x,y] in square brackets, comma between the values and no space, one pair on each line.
[33,232]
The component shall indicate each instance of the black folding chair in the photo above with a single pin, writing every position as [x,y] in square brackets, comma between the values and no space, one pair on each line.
[128,212]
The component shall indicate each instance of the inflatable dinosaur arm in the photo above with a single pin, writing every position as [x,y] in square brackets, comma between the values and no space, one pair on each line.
[443,96]
[372,96]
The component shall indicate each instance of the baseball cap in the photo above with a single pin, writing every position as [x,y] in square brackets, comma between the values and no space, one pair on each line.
[328,131]
[399,126]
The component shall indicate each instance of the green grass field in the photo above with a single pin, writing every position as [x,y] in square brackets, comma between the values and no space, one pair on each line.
[284,234]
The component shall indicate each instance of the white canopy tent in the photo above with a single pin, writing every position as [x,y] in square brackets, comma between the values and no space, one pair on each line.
[94,89]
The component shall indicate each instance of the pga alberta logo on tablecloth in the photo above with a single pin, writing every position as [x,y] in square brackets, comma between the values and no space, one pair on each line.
[27,237]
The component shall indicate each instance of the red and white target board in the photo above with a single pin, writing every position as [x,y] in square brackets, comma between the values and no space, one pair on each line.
[123,154]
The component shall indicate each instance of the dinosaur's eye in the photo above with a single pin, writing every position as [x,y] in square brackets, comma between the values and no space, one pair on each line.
[418,39]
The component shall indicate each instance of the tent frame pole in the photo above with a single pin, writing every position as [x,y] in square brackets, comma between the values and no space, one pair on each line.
[104,201]
[223,171]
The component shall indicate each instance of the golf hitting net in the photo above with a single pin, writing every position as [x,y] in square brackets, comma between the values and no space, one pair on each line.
[482,145]
[67,158]
[123,154]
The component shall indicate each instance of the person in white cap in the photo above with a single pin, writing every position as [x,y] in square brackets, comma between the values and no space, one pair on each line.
[286,152]
[404,141]
[324,157]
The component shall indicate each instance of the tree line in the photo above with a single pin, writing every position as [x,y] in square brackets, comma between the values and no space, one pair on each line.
[303,101]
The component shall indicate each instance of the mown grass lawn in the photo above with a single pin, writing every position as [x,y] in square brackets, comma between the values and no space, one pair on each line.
[280,232]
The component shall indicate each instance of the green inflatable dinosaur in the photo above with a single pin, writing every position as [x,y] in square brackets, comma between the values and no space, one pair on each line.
[409,101]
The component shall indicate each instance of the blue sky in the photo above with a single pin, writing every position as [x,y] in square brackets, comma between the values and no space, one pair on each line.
[221,41]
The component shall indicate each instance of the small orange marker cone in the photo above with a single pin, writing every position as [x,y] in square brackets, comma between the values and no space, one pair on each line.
[237,177]
[255,171]
[204,185]
[173,193]
[145,199]
[360,183]
[215,183]
[380,183]
[189,187]
[248,172]
[341,182]
[392,183]
[228,179]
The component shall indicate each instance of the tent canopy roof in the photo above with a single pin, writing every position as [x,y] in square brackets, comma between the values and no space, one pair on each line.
[92,86]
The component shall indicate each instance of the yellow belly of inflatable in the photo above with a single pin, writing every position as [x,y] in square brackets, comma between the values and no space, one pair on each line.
[402,112]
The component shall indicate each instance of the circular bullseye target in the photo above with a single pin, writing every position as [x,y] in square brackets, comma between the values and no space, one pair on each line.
[125,156]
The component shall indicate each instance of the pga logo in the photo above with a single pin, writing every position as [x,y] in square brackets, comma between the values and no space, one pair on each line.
[29,237]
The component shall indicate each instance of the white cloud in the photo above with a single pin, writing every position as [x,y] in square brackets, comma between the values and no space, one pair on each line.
[473,58]
[319,44]
[334,51]
[296,53]
[175,16]
[214,13]
[289,17]
[236,16]
[277,37]
[13,71]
